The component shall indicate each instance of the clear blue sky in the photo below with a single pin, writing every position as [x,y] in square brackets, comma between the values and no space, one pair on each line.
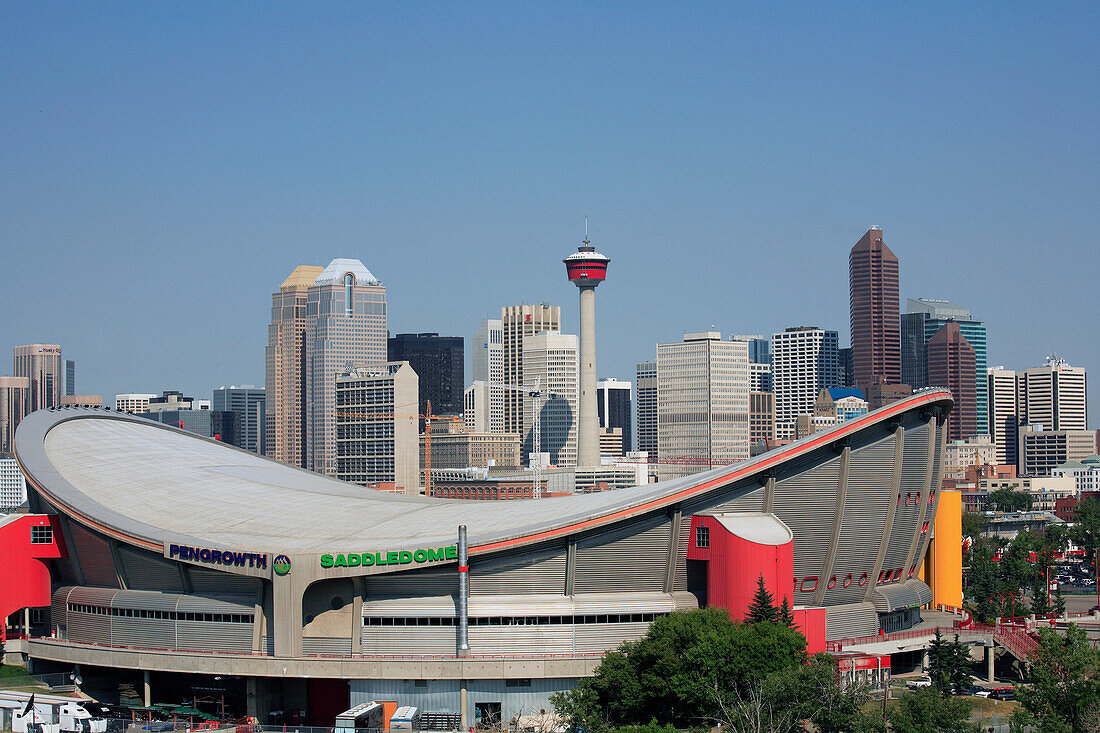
[163,166]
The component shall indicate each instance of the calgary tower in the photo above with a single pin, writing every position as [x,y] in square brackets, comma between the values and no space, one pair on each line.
[587,268]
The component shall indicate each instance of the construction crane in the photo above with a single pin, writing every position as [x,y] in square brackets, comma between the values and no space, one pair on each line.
[427,417]
[535,393]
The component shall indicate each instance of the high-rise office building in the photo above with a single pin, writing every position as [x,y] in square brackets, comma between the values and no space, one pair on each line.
[15,395]
[345,324]
[613,407]
[645,376]
[702,403]
[875,312]
[173,399]
[552,358]
[81,400]
[371,447]
[804,361]
[219,424]
[761,418]
[951,363]
[760,377]
[923,318]
[13,487]
[477,409]
[438,362]
[518,322]
[1003,414]
[285,368]
[250,405]
[487,366]
[42,365]
[1041,451]
[70,378]
[760,350]
[847,368]
[134,403]
[1053,395]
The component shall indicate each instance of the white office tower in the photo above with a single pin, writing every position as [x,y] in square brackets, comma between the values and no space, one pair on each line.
[478,413]
[487,354]
[646,416]
[1004,414]
[376,427]
[702,403]
[13,487]
[805,360]
[1053,396]
[135,403]
[552,358]
[517,323]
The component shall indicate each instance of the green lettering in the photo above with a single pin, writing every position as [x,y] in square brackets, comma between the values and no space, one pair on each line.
[436,555]
[368,559]
[378,559]
[341,562]
[326,561]
[392,558]
[406,557]
[420,556]
[353,560]
[452,552]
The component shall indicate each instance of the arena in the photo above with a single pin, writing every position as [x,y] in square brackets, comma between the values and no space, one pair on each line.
[185,557]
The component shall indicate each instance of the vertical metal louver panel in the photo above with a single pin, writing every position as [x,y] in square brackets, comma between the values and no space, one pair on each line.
[145,571]
[870,472]
[914,489]
[806,502]
[323,645]
[268,645]
[213,581]
[631,558]
[679,577]
[541,572]
[595,638]
[850,621]
[415,606]
[94,555]
[91,628]
[409,640]
[427,582]
[930,516]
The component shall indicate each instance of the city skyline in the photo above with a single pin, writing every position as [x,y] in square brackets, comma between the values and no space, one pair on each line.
[132,179]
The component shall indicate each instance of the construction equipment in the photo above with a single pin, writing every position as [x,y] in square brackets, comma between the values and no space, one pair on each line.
[535,393]
[427,417]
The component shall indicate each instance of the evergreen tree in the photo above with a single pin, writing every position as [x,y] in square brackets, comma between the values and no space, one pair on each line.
[939,664]
[787,618]
[1059,602]
[1039,605]
[959,666]
[762,607]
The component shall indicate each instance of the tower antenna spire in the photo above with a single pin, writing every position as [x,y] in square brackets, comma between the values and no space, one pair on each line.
[586,242]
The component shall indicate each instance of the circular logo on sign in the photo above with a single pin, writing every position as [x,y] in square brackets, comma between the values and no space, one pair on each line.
[281,565]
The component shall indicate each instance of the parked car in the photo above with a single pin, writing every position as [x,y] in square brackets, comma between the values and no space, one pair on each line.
[922,681]
[1003,693]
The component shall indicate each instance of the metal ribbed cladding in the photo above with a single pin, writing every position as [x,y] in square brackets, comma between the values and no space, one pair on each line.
[750,501]
[679,578]
[214,581]
[865,510]
[541,572]
[632,558]
[95,556]
[597,638]
[930,515]
[59,607]
[889,598]
[850,620]
[806,502]
[319,645]
[427,582]
[145,571]
[914,479]
[144,632]
[412,640]
[214,637]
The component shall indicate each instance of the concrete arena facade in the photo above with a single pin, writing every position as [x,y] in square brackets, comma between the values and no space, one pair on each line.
[186,555]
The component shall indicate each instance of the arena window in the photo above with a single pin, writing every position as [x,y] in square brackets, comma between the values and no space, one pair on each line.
[702,536]
[42,535]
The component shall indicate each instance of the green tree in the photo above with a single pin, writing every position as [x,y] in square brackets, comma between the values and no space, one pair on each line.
[959,665]
[1007,500]
[939,670]
[762,606]
[1064,694]
[1086,527]
[1059,601]
[811,693]
[973,524]
[785,616]
[926,711]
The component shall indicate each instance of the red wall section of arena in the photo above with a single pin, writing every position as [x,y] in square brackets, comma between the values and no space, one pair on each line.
[24,574]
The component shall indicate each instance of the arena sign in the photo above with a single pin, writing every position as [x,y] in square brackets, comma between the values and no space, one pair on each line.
[218,557]
[390,557]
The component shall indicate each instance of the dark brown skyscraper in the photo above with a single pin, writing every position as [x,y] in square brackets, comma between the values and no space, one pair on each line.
[876,319]
[951,364]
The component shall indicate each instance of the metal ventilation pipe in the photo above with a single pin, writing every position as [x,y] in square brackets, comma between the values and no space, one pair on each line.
[463,594]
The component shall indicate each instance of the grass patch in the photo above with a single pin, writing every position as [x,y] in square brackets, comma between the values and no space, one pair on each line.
[11,670]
